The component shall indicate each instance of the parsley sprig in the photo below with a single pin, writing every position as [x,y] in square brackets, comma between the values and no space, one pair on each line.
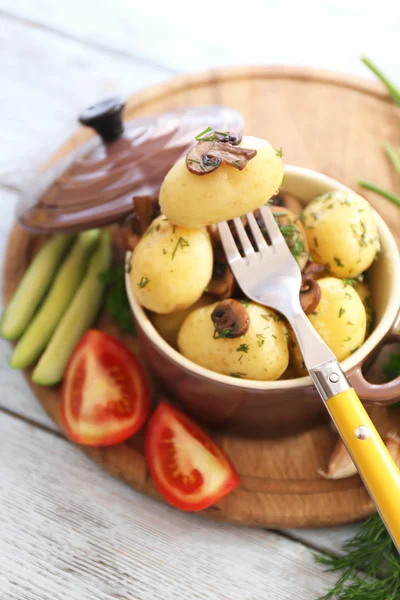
[117,304]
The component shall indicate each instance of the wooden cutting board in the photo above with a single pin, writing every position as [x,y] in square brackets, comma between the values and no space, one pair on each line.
[332,123]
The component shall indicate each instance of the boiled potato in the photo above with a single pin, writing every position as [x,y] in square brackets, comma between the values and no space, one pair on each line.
[191,200]
[341,232]
[363,290]
[340,319]
[168,325]
[260,354]
[170,266]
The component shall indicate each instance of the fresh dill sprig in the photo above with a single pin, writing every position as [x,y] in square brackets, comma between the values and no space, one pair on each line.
[369,554]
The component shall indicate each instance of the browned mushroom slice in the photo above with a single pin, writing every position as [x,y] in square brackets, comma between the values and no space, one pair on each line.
[310,295]
[294,234]
[231,319]
[205,157]
[145,210]
[228,137]
[291,202]
[128,235]
[223,284]
[313,270]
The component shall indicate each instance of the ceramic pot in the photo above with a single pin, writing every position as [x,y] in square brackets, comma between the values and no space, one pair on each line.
[281,407]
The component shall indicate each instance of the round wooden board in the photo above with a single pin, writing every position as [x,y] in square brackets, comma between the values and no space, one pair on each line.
[334,124]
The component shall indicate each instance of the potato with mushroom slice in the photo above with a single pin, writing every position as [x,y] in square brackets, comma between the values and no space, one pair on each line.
[191,200]
[171,266]
[341,232]
[168,325]
[363,290]
[339,318]
[260,354]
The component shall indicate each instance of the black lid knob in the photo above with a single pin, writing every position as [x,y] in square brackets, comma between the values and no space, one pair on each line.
[105,117]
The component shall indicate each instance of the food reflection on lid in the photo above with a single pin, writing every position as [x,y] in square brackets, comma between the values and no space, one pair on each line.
[94,185]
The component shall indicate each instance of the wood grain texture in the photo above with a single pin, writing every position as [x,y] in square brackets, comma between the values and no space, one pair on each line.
[285,32]
[294,109]
[68,531]
[47,81]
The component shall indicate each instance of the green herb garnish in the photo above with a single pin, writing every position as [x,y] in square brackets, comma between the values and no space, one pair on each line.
[117,305]
[341,311]
[181,243]
[338,261]
[369,554]
[143,282]
[348,282]
[378,190]
[392,367]
[279,152]
[238,375]
[225,333]
[243,348]
[260,339]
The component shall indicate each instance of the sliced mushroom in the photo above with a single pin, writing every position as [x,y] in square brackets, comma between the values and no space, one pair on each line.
[291,201]
[310,295]
[223,284]
[231,319]
[145,210]
[294,234]
[313,270]
[228,137]
[129,237]
[205,157]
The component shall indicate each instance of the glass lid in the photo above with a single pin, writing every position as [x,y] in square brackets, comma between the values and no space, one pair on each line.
[94,185]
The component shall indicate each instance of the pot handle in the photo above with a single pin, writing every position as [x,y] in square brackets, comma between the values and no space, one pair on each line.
[384,393]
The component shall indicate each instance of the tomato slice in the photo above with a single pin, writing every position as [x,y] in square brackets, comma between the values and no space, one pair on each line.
[187,467]
[105,396]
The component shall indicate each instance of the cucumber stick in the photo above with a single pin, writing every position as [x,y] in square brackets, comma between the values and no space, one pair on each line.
[67,281]
[33,286]
[77,319]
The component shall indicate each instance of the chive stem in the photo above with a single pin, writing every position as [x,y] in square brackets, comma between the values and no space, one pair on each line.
[391,88]
[378,190]
[394,156]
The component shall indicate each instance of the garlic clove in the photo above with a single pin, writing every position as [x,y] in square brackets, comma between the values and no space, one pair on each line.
[340,463]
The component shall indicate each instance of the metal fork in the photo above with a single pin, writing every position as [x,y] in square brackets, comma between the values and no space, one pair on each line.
[270,275]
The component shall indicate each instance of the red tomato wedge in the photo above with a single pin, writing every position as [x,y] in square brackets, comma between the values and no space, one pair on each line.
[105,396]
[187,467]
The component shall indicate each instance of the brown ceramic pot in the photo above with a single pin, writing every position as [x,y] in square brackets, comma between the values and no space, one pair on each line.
[279,407]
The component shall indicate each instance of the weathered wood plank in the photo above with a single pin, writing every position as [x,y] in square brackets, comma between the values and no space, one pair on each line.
[261,33]
[47,80]
[70,531]
[15,394]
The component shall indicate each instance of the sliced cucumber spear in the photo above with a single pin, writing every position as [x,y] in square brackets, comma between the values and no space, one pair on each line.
[67,281]
[78,318]
[33,286]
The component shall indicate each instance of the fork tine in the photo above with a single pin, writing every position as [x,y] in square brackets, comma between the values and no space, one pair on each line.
[228,242]
[244,238]
[256,231]
[274,232]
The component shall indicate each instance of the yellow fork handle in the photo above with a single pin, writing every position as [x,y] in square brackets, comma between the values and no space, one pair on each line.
[373,461]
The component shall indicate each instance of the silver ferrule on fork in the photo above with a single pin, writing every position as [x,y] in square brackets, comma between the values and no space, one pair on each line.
[320,361]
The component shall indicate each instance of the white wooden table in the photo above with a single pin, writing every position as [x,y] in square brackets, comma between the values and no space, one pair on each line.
[67,529]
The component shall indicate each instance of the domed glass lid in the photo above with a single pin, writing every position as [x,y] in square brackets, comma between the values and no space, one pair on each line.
[94,185]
